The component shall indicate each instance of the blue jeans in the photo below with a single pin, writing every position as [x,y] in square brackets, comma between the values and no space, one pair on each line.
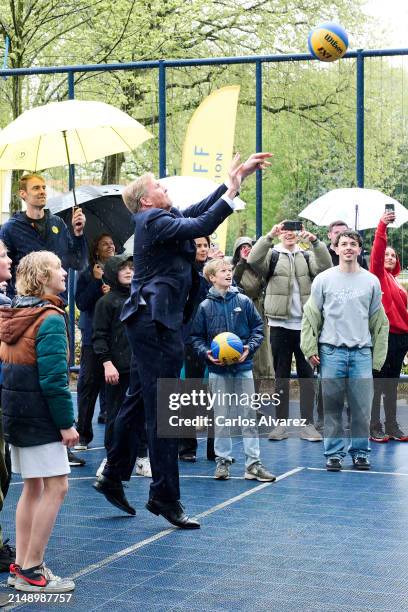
[225,386]
[346,372]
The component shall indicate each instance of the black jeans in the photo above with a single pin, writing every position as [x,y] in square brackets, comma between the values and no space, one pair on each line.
[285,343]
[386,381]
[91,380]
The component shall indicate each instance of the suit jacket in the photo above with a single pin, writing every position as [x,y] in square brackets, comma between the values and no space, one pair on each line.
[163,258]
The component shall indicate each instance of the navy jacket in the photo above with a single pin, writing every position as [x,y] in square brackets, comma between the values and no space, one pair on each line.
[21,238]
[164,254]
[232,312]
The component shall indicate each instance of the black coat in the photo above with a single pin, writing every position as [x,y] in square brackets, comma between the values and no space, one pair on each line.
[164,255]
[109,337]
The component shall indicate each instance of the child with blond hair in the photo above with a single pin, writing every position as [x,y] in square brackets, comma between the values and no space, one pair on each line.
[38,413]
[227,310]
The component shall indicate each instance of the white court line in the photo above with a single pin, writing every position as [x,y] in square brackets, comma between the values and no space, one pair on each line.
[210,477]
[165,532]
[162,534]
[73,479]
[247,493]
[86,450]
[352,471]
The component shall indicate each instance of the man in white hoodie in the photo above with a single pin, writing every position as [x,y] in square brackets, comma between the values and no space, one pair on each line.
[288,272]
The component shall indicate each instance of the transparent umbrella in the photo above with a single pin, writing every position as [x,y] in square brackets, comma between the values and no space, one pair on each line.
[359,208]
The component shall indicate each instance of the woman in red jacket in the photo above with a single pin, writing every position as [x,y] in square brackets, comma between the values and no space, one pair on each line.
[384,263]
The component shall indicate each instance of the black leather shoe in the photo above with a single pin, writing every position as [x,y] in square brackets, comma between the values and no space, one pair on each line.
[172,512]
[333,464]
[113,492]
[188,457]
[361,463]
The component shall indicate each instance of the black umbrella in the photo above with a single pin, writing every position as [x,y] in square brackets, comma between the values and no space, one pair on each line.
[104,210]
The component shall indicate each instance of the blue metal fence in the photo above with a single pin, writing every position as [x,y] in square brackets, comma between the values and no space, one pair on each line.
[257,61]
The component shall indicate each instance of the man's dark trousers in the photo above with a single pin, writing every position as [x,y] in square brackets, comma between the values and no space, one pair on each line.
[158,352]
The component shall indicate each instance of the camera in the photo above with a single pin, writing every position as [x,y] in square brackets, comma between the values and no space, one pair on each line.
[292,226]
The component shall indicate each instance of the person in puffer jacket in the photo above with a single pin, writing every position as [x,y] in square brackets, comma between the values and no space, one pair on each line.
[227,310]
[7,552]
[288,284]
[38,413]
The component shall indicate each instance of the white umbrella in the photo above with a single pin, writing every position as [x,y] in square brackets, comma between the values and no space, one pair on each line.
[359,208]
[74,131]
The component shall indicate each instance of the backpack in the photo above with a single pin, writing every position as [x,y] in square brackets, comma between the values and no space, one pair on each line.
[274,260]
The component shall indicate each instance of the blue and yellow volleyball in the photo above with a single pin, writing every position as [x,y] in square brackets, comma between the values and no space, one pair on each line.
[227,347]
[328,42]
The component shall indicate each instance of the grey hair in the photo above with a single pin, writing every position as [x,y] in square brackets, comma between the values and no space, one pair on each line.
[133,192]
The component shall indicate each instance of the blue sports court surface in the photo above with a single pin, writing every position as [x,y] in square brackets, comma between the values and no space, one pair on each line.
[311,541]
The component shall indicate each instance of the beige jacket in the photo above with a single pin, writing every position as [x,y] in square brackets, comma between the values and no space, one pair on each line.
[278,296]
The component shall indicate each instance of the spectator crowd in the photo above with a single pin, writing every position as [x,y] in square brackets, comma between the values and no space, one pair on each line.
[295,301]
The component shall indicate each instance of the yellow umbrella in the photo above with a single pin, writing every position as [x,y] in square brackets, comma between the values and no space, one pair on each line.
[74,131]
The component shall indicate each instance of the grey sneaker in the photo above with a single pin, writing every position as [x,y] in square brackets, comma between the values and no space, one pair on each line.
[257,471]
[42,580]
[222,471]
[279,432]
[310,433]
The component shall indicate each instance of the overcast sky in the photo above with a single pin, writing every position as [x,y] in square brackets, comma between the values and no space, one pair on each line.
[393,16]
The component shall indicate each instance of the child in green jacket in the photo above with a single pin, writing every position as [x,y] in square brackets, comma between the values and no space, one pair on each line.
[38,413]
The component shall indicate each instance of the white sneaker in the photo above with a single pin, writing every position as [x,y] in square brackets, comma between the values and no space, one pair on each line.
[310,433]
[279,432]
[101,467]
[81,445]
[142,467]
[49,583]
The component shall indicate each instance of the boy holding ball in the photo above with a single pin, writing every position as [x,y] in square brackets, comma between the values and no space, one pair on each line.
[226,309]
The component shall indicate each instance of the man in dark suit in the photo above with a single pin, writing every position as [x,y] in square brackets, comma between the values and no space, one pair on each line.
[162,298]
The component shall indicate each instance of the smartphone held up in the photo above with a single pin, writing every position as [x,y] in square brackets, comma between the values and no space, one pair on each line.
[292,226]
